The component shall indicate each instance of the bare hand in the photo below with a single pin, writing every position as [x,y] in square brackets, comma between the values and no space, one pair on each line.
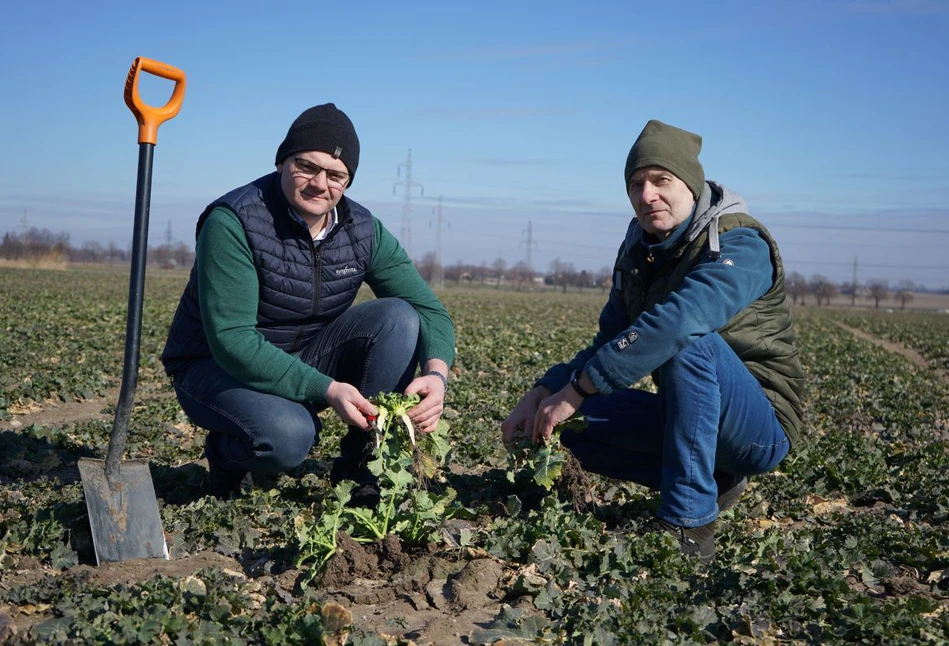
[349,404]
[521,419]
[425,414]
[554,410]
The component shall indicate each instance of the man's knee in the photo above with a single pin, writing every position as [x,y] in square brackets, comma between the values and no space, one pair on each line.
[698,357]
[398,317]
[288,440]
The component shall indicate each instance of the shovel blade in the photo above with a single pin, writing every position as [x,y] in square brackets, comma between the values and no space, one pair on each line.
[123,511]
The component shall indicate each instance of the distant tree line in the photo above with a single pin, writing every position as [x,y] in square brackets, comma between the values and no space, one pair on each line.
[43,246]
[821,289]
[519,276]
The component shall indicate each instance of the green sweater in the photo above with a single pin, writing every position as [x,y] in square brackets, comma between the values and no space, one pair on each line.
[228,288]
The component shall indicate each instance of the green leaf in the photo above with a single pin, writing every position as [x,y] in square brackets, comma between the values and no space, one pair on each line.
[511,624]
[548,463]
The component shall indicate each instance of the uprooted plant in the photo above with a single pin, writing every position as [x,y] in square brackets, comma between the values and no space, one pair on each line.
[551,465]
[405,464]
[544,461]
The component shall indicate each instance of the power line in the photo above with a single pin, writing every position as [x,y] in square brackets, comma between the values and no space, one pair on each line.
[788,260]
[826,227]
[571,243]
[768,221]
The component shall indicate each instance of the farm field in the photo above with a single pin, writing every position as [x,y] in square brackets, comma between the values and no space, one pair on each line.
[848,542]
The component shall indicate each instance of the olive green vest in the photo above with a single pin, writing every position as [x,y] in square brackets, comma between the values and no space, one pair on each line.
[761,334]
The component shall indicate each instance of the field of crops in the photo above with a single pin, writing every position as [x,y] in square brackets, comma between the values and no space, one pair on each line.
[847,543]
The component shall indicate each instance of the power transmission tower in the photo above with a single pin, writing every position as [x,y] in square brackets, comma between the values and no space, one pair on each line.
[168,237]
[438,274]
[409,184]
[24,223]
[530,243]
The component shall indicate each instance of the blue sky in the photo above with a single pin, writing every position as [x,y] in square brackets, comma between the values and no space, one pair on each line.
[828,116]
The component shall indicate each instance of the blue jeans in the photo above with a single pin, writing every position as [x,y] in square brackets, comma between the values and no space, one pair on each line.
[372,345]
[710,415]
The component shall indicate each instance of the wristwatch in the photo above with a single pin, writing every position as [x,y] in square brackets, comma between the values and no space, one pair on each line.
[575,384]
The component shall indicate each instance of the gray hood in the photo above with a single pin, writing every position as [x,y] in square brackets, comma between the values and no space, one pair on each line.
[714,202]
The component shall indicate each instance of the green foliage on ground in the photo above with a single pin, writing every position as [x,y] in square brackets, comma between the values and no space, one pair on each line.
[847,542]
[404,464]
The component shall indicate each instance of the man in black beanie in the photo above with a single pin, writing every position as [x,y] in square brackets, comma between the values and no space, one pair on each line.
[698,303]
[266,334]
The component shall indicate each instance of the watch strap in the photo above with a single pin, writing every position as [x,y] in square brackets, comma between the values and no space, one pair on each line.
[575,384]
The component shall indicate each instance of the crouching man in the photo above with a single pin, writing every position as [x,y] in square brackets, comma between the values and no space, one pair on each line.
[698,302]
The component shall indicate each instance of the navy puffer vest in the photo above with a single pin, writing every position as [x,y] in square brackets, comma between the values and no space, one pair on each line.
[303,285]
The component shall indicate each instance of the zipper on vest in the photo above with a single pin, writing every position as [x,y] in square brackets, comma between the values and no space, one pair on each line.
[317,273]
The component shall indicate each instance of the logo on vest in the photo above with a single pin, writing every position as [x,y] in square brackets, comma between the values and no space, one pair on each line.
[345,271]
[627,340]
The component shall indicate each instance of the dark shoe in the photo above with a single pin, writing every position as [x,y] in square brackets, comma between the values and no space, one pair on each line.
[698,542]
[225,485]
[366,496]
[730,488]
[366,492]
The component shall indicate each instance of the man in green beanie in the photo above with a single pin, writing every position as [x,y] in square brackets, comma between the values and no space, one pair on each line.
[698,303]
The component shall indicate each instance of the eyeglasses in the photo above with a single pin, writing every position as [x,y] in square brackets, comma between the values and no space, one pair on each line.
[308,170]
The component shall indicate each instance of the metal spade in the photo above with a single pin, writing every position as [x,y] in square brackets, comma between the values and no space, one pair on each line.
[120,496]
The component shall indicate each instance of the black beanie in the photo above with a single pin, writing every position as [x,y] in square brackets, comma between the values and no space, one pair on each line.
[671,148]
[325,128]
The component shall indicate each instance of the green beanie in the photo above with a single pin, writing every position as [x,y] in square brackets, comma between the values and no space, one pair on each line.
[671,148]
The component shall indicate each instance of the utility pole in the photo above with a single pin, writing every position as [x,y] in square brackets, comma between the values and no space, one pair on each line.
[853,284]
[409,184]
[529,244]
[438,273]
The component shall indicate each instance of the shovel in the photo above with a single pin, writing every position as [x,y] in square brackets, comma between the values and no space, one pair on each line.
[120,497]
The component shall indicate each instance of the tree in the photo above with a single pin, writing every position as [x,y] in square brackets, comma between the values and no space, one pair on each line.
[904,292]
[561,273]
[92,251]
[584,279]
[12,247]
[823,289]
[604,278]
[426,267]
[162,256]
[183,255]
[879,291]
[113,252]
[796,287]
[850,289]
[521,275]
[36,245]
[498,266]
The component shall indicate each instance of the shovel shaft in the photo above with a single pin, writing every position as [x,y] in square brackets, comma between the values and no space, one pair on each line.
[133,321]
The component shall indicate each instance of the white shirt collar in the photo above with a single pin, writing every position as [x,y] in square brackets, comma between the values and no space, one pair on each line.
[331,222]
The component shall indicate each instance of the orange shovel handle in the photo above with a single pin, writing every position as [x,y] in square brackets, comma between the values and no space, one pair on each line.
[149,117]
